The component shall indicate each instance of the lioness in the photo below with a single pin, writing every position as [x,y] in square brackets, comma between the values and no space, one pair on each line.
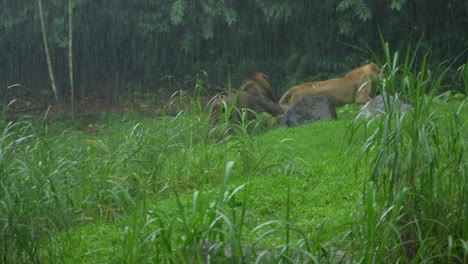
[254,94]
[355,86]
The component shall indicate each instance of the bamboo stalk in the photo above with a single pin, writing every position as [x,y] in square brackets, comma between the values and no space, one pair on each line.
[70,58]
[46,48]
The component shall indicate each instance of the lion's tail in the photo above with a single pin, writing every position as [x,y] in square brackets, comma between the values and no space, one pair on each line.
[285,98]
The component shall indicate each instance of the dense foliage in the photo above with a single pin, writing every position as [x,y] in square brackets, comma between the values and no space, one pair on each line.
[148,188]
[117,43]
[131,187]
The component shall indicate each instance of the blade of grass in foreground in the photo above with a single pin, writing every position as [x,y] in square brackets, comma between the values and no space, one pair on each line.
[417,162]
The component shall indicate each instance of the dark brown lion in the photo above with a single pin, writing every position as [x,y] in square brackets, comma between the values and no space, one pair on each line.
[255,94]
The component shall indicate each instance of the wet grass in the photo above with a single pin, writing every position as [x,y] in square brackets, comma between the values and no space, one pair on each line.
[144,188]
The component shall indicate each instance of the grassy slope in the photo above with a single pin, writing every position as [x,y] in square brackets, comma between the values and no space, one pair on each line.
[303,174]
[310,160]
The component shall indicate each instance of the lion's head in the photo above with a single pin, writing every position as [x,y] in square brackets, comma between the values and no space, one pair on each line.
[370,69]
[253,80]
[375,70]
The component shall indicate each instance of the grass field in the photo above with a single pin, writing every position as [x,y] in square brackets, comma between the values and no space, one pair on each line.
[135,185]
[146,188]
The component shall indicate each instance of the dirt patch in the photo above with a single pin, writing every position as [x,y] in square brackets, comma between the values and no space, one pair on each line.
[98,103]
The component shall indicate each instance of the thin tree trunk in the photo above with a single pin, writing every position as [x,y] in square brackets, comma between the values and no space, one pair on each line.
[46,48]
[70,58]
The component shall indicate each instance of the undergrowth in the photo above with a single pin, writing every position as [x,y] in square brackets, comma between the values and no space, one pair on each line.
[414,205]
[176,190]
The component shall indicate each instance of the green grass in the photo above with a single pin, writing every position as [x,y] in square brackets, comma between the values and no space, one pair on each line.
[145,188]
[85,188]
[106,193]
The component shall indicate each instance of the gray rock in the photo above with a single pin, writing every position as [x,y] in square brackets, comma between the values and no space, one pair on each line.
[380,104]
[308,109]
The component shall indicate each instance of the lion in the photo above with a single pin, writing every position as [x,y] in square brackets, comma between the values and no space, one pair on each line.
[255,95]
[355,86]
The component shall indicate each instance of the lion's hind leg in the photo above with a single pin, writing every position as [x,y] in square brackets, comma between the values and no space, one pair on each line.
[285,98]
[290,97]
[294,98]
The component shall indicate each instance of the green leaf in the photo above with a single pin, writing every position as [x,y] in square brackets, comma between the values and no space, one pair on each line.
[207,30]
[344,5]
[363,13]
[397,4]
[231,16]
[177,12]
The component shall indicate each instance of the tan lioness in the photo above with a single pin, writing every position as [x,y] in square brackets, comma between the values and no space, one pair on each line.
[355,86]
[255,94]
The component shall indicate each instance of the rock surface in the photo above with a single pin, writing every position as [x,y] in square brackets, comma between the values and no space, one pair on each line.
[377,107]
[308,109]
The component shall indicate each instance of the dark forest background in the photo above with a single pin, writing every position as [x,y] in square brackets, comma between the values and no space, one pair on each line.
[123,46]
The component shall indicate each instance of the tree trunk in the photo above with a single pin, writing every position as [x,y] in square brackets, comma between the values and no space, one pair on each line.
[46,48]
[70,58]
